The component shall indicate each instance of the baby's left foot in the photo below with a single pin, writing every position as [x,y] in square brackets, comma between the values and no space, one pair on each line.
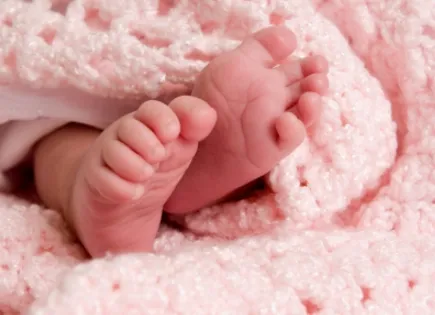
[263,103]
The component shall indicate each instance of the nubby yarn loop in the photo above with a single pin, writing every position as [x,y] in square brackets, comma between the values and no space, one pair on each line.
[347,225]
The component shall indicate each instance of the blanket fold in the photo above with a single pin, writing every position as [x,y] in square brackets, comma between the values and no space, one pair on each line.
[348,224]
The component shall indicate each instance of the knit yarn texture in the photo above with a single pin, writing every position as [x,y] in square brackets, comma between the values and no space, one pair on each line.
[347,225]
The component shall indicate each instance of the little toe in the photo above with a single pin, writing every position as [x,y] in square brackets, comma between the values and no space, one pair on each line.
[269,46]
[196,117]
[309,108]
[160,119]
[142,140]
[124,162]
[291,132]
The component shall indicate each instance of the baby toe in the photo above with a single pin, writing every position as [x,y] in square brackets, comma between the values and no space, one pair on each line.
[105,185]
[317,83]
[314,64]
[269,46]
[160,119]
[291,132]
[124,162]
[196,117]
[296,70]
[309,108]
[141,139]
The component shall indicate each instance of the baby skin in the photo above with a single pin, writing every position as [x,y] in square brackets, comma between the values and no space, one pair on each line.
[249,109]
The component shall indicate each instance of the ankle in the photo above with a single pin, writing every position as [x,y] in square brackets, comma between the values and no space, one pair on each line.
[56,162]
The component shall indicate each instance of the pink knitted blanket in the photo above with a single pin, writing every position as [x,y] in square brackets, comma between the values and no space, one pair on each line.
[348,225]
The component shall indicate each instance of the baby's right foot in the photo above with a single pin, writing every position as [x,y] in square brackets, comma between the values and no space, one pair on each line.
[131,170]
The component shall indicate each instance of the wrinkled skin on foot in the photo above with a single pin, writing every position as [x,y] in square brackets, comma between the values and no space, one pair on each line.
[263,102]
[131,170]
[249,109]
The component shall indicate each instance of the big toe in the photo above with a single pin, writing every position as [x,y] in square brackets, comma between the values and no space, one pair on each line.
[269,46]
[196,117]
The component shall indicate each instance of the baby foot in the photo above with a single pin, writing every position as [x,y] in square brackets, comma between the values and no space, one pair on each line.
[263,102]
[130,171]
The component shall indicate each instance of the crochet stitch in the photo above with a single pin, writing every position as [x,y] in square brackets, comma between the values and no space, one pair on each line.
[347,224]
